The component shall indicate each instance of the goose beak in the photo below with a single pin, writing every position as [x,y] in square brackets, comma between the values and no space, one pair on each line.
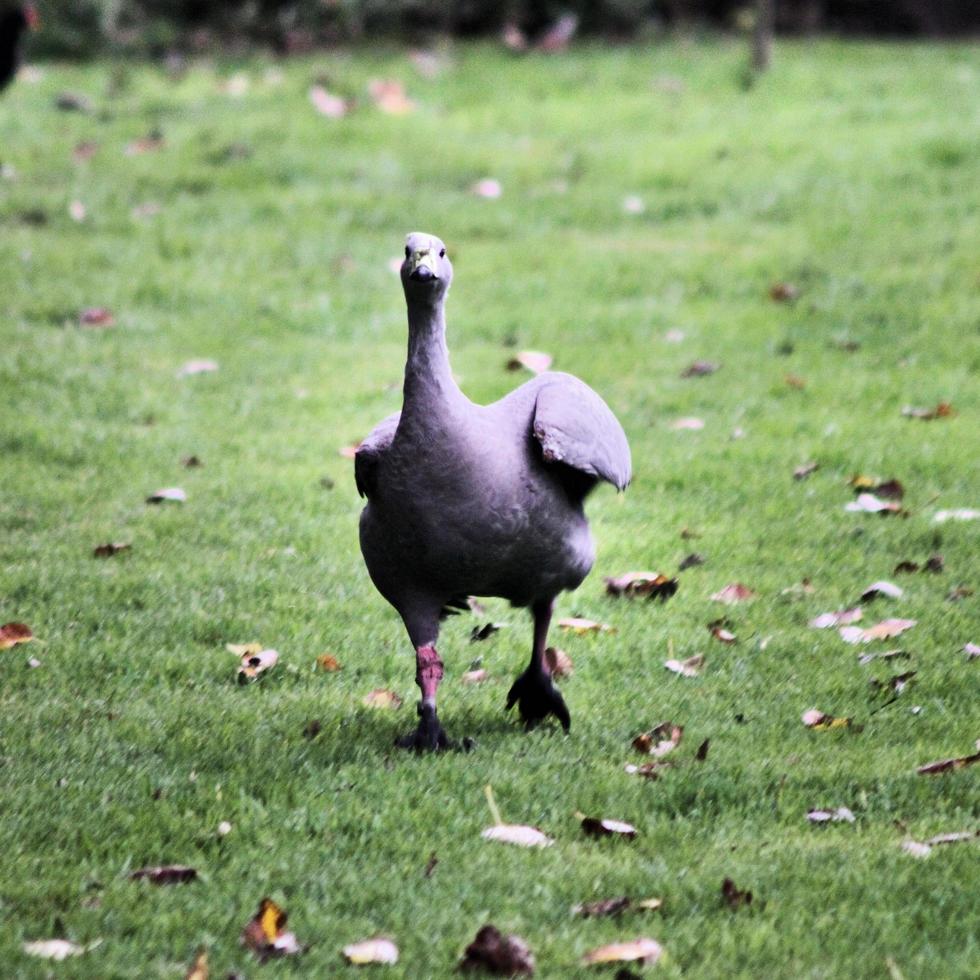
[422,266]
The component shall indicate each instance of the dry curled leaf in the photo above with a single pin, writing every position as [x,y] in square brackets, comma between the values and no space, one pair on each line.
[702,752]
[266,936]
[388,94]
[946,765]
[378,950]
[477,676]
[843,617]
[96,316]
[645,951]
[168,874]
[605,907]
[783,292]
[581,626]
[660,740]
[690,561]
[878,589]
[720,631]
[687,424]
[733,896]
[602,827]
[648,770]
[736,592]
[327,104]
[381,698]
[199,968]
[653,585]
[479,633]
[957,514]
[884,630]
[56,949]
[943,410]
[803,471]
[838,815]
[168,494]
[499,955]
[559,663]
[868,503]
[522,836]
[820,722]
[691,667]
[110,548]
[535,361]
[253,665]
[698,369]
[13,633]
[328,662]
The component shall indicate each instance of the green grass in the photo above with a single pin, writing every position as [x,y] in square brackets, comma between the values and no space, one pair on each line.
[850,170]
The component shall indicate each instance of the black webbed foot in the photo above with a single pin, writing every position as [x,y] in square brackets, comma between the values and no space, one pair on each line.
[536,697]
[429,736]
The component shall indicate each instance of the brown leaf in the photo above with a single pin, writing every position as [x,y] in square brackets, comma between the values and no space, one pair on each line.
[783,292]
[721,633]
[253,665]
[600,827]
[535,361]
[84,151]
[820,722]
[328,662]
[519,834]
[889,489]
[170,874]
[474,676]
[904,567]
[145,144]
[96,316]
[607,906]
[943,410]
[172,494]
[311,729]
[648,770]
[265,934]
[559,663]
[494,953]
[702,752]
[688,534]
[110,548]
[389,96]
[842,617]
[199,968]
[381,698]
[802,472]
[653,585]
[690,561]
[795,381]
[958,593]
[691,667]
[733,593]
[654,741]
[73,102]
[479,633]
[934,564]
[733,896]
[945,765]
[13,633]
[698,369]
[327,104]
[378,950]
[888,628]
[645,951]
[878,589]
[191,462]
[582,626]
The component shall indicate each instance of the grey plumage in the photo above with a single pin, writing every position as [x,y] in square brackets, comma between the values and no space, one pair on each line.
[467,499]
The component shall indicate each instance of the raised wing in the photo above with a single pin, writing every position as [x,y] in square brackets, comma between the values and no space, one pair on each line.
[577,428]
[370,451]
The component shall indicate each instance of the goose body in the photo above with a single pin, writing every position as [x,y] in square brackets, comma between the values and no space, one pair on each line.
[483,500]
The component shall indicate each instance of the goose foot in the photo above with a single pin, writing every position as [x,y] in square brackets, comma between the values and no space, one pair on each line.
[536,697]
[429,736]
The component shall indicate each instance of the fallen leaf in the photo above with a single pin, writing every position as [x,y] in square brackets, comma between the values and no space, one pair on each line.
[783,292]
[733,896]
[147,209]
[145,144]
[878,589]
[946,765]
[868,503]
[943,410]
[327,104]
[698,369]
[654,743]
[173,494]
[73,102]
[493,952]
[191,462]
[916,848]
[648,770]
[170,874]
[646,951]
[972,650]
[381,698]
[96,316]
[197,366]
[690,561]
[906,567]
[842,617]
[840,814]
[820,722]
[266,936]
[674,336]
[474,676]
[795,381]
[633,204]
[199,968]
[653,585]
[479,633]
[110,548]
[535,361]
[582,626]
[488,187]
[702,752]
[372,951]
[802,472]
[389,96]
[884,655]
[687,424]
[236,86]
[953,838]
[733,593]
[430,865]
[934,564]
[311,729]
[244,649]
[84,151]
[601,827]
[328,662]
[691,667]
[13,633]
[254,665]
[559,662]
[607,906]
[884,630]
[517,834]
[960,592]
[56,949]
[960,514]
[721,633]
[889,489]
[77,211]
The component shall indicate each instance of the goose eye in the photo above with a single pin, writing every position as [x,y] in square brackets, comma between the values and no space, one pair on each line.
[442,253]
[408,251]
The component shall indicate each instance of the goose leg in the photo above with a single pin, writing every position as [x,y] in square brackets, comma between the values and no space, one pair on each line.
[534,692]
[423,630]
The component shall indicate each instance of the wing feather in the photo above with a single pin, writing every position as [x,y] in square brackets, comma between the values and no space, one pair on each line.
[370,451]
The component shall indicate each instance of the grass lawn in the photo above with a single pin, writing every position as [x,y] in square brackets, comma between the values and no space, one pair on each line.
[259,235]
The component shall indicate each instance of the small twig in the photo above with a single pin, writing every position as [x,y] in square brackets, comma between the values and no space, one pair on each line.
[488,792]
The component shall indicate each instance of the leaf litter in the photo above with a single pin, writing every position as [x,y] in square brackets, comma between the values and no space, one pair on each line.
[644,951]
[499,955]
[519,834]
[13,633]
[168,874]
[653,585]
[378,950]
[265,934]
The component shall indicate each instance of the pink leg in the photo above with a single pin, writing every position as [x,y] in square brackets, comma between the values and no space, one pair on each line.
[428,673]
